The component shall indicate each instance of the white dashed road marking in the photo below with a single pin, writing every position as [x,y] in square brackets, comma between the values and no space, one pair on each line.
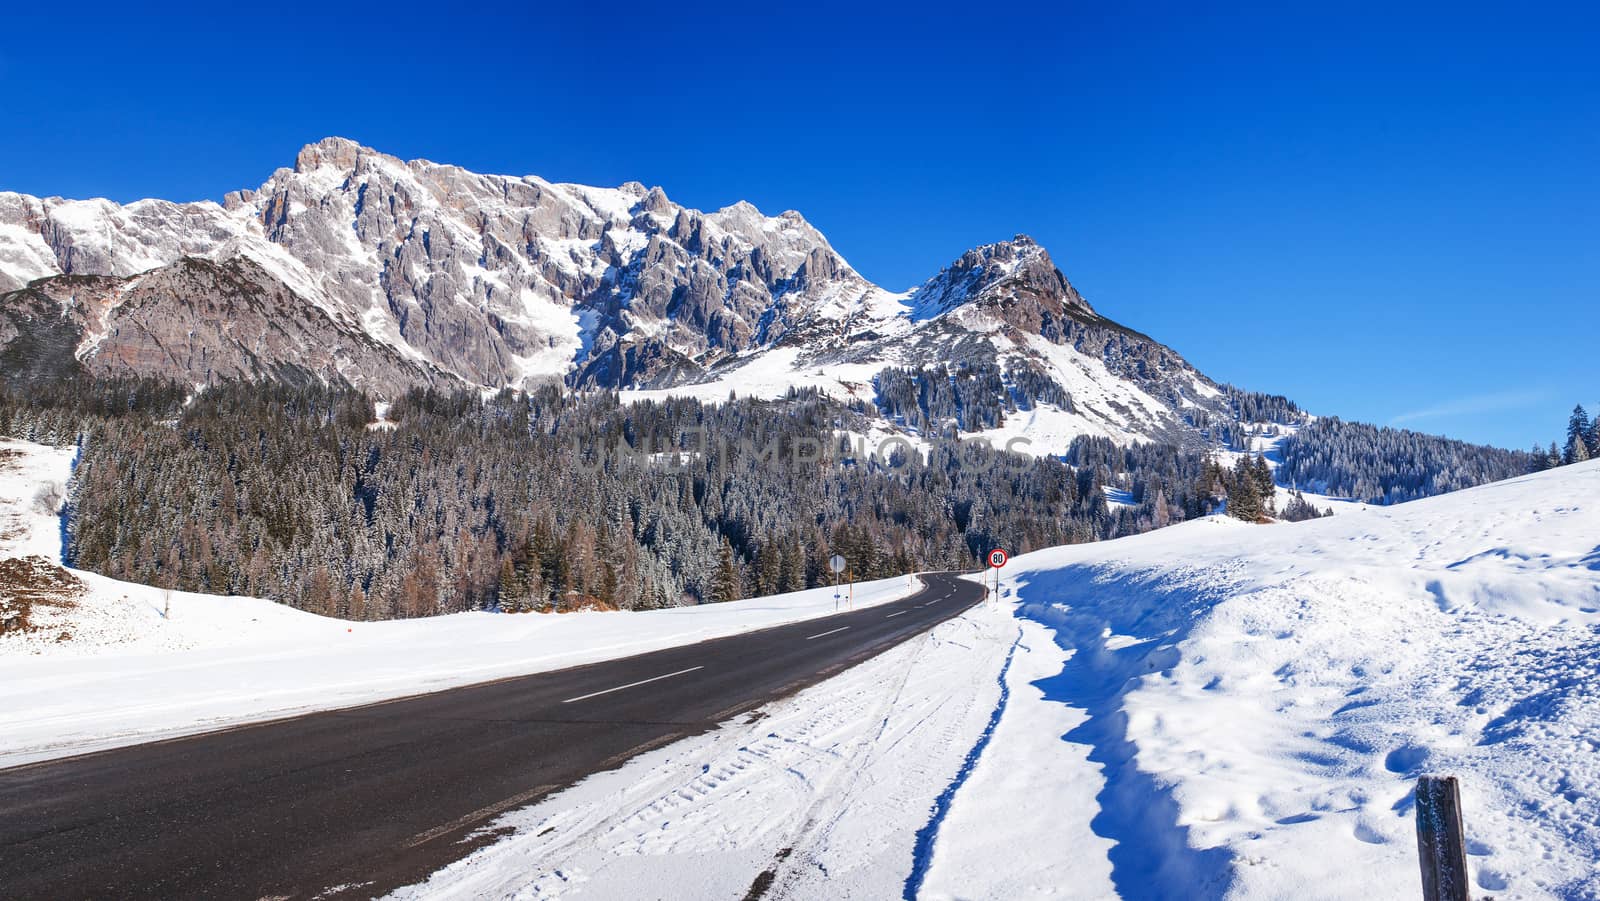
[596,694]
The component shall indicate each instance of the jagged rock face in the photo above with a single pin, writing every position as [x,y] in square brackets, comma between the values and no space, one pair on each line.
[357,266]
[36,341]
[496,279]
[1012,292]
[194,321]
[1018,271]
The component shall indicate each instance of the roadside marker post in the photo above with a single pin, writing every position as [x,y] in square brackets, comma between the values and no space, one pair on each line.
[837,564]
[1441,841]
[997,559]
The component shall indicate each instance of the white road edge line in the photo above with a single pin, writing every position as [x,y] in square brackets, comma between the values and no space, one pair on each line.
[893,615]
[825,634]
[596,694]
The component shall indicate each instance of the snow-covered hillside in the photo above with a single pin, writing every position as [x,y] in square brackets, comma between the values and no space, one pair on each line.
[1211,710]
[110,669]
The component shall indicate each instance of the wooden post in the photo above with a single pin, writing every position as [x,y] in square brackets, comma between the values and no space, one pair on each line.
[1440,843]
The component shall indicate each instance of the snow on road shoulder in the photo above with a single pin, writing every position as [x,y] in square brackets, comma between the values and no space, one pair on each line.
[1023,823]
[131,674]
[824,794]
[1261,699]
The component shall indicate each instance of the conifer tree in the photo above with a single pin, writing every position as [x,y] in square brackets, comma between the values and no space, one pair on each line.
[768,567]
[1244,495]
[1265,486]
[725,581]
[1578,428]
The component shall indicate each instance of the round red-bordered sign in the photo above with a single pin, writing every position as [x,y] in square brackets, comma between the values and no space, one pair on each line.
[997,558]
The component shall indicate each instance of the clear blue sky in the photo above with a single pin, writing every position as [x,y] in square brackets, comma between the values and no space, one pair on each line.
[1388,213]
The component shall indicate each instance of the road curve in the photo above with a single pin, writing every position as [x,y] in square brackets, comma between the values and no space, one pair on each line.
[374,797]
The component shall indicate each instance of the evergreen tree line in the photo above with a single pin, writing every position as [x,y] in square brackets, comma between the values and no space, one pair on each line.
[1253,406]
[1168,484]
[1583,443]
[973,396]
[515,502]
[521,502]
[1382,465]
[1249,491]
[1245,415]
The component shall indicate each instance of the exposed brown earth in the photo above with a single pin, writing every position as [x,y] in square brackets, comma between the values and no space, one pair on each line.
[30,584]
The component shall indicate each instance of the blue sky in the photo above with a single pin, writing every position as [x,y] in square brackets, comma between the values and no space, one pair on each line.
[1387,212]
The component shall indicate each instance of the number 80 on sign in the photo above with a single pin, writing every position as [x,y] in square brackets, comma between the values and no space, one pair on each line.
[997,558]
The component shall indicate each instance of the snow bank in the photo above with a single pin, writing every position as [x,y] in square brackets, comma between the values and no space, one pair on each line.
[129,674]
[1261,699]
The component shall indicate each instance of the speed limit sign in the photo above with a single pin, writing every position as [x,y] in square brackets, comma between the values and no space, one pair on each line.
[997,558]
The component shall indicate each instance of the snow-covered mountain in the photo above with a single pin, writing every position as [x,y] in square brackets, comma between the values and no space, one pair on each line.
[358,266]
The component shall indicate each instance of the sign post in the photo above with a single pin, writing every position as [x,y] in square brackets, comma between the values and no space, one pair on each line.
[837,564]
[997,559]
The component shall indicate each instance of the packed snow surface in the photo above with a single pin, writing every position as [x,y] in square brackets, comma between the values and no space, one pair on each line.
[1214,710]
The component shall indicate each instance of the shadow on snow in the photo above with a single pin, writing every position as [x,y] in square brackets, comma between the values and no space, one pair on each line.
[1151,856]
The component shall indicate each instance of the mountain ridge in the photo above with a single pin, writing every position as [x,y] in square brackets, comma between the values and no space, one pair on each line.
[424,273]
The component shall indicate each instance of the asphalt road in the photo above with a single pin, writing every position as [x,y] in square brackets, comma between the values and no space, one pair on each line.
[374,797]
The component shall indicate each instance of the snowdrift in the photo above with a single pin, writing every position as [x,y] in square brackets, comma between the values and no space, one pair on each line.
[1261,699]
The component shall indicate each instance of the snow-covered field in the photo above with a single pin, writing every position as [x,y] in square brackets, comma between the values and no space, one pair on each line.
[1213,710]
[128,674]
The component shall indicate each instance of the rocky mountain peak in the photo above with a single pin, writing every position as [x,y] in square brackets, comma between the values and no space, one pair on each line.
[655,201]
[340,153]
[994,275]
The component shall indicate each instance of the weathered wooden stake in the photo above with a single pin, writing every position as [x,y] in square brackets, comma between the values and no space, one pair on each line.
[1440,843]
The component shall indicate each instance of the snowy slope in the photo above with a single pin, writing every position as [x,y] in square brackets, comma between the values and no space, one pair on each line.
[128,674]
[1262,698]
[1214,710]
[33,481]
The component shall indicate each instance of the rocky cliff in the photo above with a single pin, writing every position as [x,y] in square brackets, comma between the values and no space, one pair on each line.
[359,267]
